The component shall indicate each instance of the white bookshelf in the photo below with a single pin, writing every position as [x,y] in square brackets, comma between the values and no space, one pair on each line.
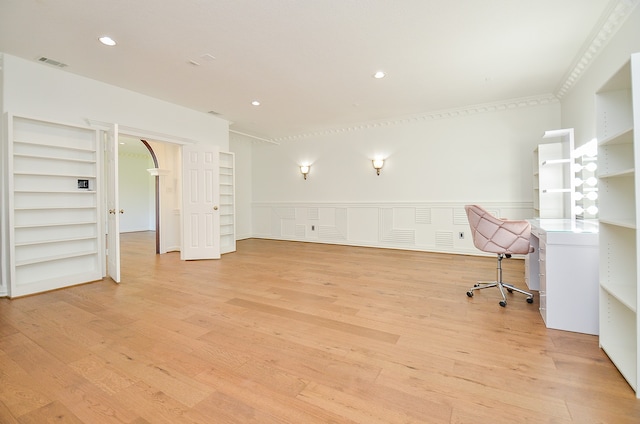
[53,205]
[227,203]
[618,155]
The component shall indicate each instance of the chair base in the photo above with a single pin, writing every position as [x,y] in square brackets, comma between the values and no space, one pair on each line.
[500,284]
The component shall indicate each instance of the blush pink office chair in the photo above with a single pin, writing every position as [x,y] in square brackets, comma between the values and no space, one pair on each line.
[502,237]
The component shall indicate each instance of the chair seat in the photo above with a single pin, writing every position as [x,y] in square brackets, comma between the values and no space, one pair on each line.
[500,236]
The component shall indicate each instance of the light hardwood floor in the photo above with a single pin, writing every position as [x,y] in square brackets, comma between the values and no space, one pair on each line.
[286,332]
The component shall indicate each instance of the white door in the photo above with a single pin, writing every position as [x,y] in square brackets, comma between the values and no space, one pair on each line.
[113,207]
[200,194]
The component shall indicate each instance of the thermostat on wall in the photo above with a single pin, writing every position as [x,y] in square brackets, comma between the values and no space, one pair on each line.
[83,184]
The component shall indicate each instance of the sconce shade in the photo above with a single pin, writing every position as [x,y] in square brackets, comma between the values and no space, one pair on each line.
[377,165]
[304,169]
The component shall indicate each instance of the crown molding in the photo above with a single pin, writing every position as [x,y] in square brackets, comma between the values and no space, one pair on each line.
[608,26]
[543,99]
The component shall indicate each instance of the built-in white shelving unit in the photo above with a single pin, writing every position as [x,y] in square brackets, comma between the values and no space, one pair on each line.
[618,113]
[553,186]
[53,176]
[227,203]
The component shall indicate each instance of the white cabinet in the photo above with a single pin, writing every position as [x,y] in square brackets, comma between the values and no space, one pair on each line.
[54,215]
[617,114]
[564,269]
[227,203]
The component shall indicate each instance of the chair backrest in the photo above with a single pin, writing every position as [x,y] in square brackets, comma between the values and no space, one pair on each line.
[495,235]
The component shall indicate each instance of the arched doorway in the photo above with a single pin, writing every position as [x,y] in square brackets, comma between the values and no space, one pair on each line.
[138,191]
[157,193]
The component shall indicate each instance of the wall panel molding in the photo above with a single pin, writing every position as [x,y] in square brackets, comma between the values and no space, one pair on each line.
[421,226]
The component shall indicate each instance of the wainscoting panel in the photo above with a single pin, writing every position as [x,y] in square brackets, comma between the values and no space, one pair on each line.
[433,227]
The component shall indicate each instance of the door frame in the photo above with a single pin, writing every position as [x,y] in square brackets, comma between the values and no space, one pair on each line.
[139,134]
[157,191]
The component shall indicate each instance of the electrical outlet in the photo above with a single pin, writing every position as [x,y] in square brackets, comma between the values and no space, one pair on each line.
[461,235]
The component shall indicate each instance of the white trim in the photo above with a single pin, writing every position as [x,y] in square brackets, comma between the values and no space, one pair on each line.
[140,133]
[254,137]
[508,104]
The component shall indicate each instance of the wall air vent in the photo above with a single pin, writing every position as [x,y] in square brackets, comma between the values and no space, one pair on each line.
[52,62]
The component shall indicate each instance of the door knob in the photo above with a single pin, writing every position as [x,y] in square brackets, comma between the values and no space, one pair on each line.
[121,210]
[113,211]
[215,208]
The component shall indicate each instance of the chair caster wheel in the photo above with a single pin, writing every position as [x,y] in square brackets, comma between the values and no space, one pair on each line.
[529,299]
[510,290]
[476,285]
[470,293]
[503,303]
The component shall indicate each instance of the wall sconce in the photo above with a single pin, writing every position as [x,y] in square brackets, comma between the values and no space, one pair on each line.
[377,165]
[304,169]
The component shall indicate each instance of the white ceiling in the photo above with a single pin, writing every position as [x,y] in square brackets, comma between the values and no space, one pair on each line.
[310,62]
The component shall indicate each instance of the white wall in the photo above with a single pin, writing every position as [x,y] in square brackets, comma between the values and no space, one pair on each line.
[479,157]
[137,193]
[34,89]
[433,167]
[170,162]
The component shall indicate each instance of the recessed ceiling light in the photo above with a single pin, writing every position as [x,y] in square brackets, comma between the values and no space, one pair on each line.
[255,103]
[379,74]
[107,41]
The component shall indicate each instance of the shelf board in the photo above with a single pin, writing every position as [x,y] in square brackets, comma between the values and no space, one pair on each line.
[556,190]
[624,294]
[59,224]
[624,136]
[50,174]
[79,191]
[620,173]
[555,161]
[53,158]
[46,208]
[621,80]
[37,242]
[55,258]
[626,223]
[55,146]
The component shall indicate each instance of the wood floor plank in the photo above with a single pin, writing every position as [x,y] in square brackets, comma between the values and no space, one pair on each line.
[287,332]
[318,321]
[52,413]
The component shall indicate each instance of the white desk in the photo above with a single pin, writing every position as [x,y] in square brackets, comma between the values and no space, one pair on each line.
[564,269]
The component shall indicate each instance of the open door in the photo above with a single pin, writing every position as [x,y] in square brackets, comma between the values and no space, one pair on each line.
[113,207]
[200,194]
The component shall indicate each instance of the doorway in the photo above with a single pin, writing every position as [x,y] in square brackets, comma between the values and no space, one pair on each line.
[198,200]
[138,191]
